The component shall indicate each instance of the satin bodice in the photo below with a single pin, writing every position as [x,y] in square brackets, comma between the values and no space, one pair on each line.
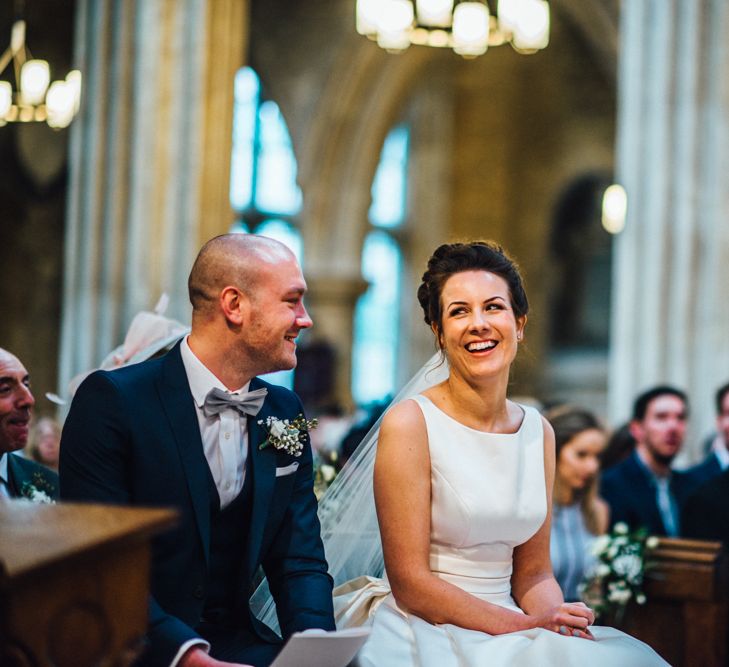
[488,496]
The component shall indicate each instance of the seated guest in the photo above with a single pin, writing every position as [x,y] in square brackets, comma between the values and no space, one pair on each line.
[705,514]
[643,490]
[45,442]
[19,477]
[718,459]
[578,514]
[620,446]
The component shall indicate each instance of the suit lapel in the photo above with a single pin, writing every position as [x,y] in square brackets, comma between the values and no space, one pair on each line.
[16,476]
[262,468]
[178,404]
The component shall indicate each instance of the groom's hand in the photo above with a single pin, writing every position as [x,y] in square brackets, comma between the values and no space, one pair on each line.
[196,657]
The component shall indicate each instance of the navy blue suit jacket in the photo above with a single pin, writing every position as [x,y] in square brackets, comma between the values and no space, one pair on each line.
[706,512]
[132,437]
[704,471]
[22,471]
[629,490]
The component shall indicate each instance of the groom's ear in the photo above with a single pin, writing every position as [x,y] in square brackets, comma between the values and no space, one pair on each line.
[234,304]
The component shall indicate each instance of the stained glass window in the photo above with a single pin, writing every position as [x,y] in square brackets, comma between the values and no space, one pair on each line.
[376,320]
[263,188]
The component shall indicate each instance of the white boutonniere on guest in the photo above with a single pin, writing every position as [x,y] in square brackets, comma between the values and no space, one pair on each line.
[35,495]
[287,435]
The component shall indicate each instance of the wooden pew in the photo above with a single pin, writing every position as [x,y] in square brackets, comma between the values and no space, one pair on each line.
[686,617]
[74,581]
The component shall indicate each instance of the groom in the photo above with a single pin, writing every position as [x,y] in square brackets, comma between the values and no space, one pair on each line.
[184,431]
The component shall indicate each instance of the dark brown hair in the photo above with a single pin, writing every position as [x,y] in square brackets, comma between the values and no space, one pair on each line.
[451,258]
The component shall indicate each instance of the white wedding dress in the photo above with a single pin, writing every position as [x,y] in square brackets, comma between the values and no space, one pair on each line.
[488,496]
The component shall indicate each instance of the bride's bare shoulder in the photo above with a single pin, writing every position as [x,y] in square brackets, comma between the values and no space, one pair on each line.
[404,415]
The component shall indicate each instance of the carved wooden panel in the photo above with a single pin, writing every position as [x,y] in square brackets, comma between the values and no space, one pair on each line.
[74,581]
[686,618]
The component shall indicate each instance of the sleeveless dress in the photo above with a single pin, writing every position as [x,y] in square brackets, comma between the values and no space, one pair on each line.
[570,547]
[488,496]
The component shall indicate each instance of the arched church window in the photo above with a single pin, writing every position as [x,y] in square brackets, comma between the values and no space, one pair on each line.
[376,319]
[263,190]
[582,253]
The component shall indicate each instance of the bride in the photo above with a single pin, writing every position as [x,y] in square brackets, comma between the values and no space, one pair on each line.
[463,491]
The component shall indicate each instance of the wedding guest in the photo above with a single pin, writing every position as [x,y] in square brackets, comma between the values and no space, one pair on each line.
[195,430]
[19,477]
[718,459]
[620,446]
[45,442]
[705,514]
[643,490]
[578,513]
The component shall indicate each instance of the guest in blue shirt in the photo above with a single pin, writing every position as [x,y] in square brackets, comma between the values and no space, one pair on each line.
[643,490]
[578,513]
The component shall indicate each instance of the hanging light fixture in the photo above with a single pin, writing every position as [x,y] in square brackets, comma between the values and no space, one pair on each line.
[466,26]
[36,99]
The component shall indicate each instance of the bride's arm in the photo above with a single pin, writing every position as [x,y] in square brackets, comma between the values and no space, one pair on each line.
[533,584]
[402,495]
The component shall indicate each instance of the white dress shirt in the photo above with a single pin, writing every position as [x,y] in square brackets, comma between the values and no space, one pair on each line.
[224,436]
[225,444]
[4,485]
[720,451]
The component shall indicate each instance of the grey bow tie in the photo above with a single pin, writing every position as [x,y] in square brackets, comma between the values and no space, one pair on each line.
[218,400]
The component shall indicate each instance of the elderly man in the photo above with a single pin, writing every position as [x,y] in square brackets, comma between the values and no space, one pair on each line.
[19,477]
[197,430]
[642,490]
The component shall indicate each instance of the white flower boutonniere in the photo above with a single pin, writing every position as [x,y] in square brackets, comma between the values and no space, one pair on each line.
[287,434]
[36,495]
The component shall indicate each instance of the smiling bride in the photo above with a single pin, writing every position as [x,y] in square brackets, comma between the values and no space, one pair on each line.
[463,491]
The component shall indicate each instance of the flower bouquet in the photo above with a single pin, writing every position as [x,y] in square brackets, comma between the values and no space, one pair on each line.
[617,578]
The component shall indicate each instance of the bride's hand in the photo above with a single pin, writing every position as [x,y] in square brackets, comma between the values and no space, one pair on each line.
[570,618]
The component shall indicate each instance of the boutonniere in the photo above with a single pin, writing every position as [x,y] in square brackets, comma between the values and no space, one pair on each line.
[287,435]
[38,491]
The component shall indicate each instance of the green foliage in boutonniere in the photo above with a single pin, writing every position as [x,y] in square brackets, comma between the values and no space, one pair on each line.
[287,435]
[39,490]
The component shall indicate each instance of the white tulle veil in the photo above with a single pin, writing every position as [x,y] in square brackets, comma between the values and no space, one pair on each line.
[347,510]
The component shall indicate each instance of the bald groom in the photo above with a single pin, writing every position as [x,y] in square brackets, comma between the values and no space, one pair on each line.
[183,431]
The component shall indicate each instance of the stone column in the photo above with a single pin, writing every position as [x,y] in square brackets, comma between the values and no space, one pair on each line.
[331,301]
[150,161]
[670,310]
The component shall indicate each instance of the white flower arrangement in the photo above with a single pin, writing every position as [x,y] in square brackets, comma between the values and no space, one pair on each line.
[618,576]
[287,434]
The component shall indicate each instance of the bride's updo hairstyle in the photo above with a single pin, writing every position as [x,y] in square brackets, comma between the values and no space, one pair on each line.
[452,258]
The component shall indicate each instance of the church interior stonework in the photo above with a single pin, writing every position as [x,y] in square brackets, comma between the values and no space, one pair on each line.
[599,163]
[104,216]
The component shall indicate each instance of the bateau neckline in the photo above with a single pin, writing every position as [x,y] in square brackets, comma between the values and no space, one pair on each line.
[475,430]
